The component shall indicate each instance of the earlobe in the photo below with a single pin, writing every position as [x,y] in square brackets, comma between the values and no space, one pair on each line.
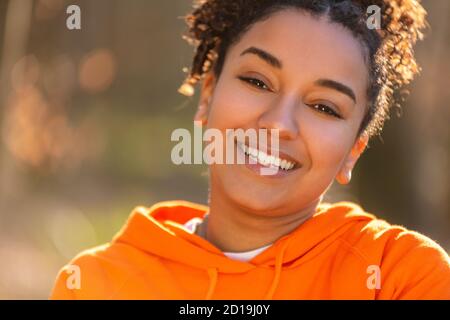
[345,174]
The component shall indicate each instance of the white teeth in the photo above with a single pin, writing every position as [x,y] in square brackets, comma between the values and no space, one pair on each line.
[262,157]
[265,159]
[277,162]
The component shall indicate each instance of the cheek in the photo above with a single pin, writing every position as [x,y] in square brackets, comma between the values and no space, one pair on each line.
[234,106]
[327,141]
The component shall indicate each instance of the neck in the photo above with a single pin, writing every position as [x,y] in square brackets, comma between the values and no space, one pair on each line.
[235,229]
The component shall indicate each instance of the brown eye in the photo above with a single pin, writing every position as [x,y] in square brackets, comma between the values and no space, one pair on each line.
[255,82]
[326,109]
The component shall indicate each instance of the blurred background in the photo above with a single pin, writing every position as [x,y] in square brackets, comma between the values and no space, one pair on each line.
[86,117]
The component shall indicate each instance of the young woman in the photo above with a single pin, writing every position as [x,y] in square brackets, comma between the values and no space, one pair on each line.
[323,74]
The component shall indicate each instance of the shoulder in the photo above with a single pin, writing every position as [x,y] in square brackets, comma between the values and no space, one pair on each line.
[72,278]
[96,273]
[412,265]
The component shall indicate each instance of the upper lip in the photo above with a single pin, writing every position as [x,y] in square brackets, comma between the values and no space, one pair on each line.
[278,153]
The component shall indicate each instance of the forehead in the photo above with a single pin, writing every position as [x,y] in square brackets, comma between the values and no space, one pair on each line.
[308,45]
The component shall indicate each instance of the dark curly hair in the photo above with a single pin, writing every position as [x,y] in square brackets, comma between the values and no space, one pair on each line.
[215,25]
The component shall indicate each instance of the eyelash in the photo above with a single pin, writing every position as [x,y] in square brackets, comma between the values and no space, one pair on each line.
[322,107]
[325,109]
[252,81]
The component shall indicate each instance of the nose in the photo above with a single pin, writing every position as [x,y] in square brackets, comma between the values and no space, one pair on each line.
[281,116]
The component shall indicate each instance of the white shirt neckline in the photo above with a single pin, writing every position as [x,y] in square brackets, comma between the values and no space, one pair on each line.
[245,256]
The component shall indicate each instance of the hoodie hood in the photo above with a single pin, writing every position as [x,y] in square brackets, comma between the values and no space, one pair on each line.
[148,228]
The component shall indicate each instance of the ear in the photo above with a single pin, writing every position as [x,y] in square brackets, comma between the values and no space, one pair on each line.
[345,174]
[207,90]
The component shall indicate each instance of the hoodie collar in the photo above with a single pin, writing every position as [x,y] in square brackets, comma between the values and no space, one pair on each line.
[148,228]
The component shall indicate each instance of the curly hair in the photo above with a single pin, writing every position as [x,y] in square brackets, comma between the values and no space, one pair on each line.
[215,25]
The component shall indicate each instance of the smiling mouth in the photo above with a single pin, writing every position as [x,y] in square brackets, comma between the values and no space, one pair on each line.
[268,160]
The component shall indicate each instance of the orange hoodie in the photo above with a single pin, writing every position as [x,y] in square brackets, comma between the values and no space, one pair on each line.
[341,252]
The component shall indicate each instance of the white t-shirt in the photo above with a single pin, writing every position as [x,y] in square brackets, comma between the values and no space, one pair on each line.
[192,225]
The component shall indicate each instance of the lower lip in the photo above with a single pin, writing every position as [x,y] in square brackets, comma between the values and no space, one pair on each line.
[258,168]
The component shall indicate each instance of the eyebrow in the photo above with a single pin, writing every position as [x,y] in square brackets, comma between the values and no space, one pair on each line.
[276,63]
[264,55]
[327,83]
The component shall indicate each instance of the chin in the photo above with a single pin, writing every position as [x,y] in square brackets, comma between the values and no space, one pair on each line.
[250,195]
[255,200]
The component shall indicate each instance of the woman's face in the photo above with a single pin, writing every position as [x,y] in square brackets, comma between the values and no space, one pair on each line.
[307,78]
